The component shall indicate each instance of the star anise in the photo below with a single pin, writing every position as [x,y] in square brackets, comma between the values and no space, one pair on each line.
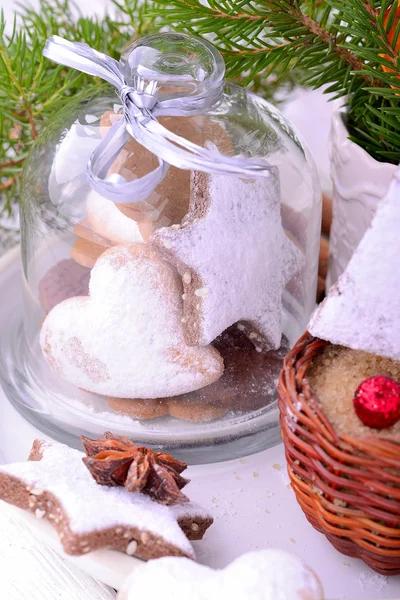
[116,460]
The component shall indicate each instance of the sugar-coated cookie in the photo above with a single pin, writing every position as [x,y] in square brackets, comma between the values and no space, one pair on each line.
[234,258]
[64,280]
[261,575]
[126,339]
[54,484]
[248,383]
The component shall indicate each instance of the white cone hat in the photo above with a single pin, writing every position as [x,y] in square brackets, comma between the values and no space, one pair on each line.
[362,310]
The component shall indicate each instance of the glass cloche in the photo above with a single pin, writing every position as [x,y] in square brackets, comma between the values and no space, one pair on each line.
[170,237]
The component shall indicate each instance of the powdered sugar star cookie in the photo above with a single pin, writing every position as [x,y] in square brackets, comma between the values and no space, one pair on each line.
[126,338]
[56,485]
[234,258]
[361,310]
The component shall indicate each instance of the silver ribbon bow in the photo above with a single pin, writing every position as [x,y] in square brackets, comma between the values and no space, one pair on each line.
[140,111]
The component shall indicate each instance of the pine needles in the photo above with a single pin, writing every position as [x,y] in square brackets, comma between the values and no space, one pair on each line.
[33,88]
[347,45]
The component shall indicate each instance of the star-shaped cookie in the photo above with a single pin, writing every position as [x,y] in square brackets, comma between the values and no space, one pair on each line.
[234,258]
[54,484]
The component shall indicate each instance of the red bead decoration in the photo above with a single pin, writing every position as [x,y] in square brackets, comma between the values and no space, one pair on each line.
[377,402]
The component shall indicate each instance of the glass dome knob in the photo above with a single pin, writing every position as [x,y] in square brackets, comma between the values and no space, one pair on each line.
[181,64]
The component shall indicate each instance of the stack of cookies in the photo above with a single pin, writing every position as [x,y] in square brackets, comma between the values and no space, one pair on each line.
[178,309]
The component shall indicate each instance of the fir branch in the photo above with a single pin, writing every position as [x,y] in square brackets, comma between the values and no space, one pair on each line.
[33,88]
[330,40]
[343,45]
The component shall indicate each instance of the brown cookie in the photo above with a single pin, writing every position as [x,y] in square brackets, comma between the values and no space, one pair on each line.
[64,280]
[248,383]
[84,230]
[250,378]
[88,245]
[56,485]
[86,253]
[180,407]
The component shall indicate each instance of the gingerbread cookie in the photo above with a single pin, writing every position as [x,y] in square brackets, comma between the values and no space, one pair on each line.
[169,202]
[86,253]
[183,408]
[64,280]
[248,383]
[88,245]
[126,338]
[234,258]
[84,231]
[56,485]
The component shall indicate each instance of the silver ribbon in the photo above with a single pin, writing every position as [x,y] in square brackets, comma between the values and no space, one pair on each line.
[140,111]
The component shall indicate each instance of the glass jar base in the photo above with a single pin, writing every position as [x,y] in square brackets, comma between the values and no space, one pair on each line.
[65,412]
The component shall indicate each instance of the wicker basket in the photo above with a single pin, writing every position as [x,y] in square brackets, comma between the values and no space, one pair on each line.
[348,489]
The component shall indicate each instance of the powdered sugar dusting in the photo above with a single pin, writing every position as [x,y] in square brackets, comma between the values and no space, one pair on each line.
[108,221]
[234,243]
[92,507]
[126,339]
[373,582]
[362,309]
[265,574]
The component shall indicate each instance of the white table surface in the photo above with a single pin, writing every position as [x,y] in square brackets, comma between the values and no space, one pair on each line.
[253,505]
[31,570]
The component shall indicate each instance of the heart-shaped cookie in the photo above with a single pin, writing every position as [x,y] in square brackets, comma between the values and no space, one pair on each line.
[126,338]
[262,575]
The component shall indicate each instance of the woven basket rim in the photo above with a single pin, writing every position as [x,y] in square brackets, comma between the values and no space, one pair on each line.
[306,340]
[348,488]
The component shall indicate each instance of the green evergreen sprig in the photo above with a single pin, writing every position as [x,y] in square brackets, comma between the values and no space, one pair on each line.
[341,44]
[32,88]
